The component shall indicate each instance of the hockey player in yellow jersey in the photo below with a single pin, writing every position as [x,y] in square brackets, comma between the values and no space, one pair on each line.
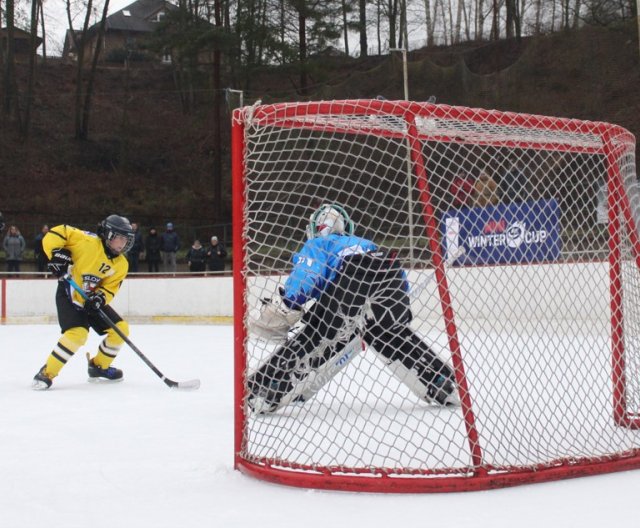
[96,262]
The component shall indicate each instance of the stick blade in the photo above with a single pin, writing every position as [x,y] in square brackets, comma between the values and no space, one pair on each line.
[193,384]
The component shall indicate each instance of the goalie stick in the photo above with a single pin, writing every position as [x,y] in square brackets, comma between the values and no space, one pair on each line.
[190,384]
[449,261]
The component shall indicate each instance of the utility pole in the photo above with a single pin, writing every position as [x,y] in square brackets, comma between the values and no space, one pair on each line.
[405,73]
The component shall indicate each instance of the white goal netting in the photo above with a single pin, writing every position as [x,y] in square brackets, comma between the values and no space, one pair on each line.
[517,237]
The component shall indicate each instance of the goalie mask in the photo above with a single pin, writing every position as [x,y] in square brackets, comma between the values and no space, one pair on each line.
[327,220]
[117,235]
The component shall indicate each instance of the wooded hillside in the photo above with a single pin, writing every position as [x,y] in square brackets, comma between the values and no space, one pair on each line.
[147,158]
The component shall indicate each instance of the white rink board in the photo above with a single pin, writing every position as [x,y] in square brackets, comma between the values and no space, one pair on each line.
[567,294]
[138,297]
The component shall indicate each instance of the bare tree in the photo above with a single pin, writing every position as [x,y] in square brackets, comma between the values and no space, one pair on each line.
[445,25]
[429,22]
[457,26]
[33,43]
[345,8]
[84,79]
[217,117]
[10,88]
[362,27]
[495,23]
[40,17]
[481,16]
[379,25]
[392,19]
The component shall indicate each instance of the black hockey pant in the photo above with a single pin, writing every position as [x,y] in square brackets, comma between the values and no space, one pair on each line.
[373,277]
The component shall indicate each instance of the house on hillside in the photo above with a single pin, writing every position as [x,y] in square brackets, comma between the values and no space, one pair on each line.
[21,43]
[125,33]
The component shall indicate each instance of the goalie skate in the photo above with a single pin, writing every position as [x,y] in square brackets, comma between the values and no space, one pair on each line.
[441,390]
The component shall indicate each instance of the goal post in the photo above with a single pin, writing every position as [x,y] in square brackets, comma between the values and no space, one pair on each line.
[518,236]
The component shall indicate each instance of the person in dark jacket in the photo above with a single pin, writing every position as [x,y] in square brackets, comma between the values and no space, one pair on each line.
[152,250]
[133,255]
[170,244]
[38,252]
[216,255]
[197,257]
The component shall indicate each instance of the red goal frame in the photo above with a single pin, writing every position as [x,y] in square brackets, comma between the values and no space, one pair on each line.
[609,140]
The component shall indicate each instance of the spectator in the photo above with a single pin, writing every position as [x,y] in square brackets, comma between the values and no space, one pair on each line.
[152,250]
[513,183]
[13,245]
[197,257]
[169,245]
[486,191]
[133,256]
[216,255]
[1,222]
[38,252]
[461,190]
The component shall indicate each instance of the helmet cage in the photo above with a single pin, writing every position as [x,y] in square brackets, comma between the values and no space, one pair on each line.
[114,226]
[329,219]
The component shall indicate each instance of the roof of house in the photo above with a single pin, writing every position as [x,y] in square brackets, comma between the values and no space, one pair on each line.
[137,16]
[19,34]
[134,18]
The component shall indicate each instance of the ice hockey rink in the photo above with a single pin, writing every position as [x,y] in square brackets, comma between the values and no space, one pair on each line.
[141,455]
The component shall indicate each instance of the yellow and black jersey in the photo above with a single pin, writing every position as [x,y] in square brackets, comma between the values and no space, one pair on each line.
[92,268]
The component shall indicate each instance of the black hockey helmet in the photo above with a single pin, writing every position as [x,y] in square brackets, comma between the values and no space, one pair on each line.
[112,227]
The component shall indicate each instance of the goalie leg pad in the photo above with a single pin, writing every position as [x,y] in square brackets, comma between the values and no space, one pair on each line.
[415,365]
[322,374]
[302,382]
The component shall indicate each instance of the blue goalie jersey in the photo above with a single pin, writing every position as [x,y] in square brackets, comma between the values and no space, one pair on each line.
[318,263]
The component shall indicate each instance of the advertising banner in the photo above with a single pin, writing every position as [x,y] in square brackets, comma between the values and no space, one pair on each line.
[521,232]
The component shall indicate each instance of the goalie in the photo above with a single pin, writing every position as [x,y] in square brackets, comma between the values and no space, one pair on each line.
[361,296]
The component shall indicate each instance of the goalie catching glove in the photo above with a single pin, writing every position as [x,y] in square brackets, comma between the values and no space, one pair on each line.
[60,262]
[275,319]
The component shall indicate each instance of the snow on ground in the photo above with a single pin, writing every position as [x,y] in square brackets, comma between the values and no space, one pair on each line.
[137,454]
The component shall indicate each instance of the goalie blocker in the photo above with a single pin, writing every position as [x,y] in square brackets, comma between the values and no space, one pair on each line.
[366,301]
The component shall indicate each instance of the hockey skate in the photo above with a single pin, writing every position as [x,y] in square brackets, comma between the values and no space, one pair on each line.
[99,375]
[41,381]
[264,400]
[442,391]
[430,387]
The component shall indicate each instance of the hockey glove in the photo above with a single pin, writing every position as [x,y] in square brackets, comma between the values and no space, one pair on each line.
[60,262]
[95,301]
[275,320]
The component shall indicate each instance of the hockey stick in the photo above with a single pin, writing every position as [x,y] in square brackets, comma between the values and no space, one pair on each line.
[450,260]
[191,384]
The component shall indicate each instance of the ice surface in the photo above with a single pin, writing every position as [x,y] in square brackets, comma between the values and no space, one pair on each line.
[137,454]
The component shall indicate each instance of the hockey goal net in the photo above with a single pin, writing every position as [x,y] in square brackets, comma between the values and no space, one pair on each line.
[518,237]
